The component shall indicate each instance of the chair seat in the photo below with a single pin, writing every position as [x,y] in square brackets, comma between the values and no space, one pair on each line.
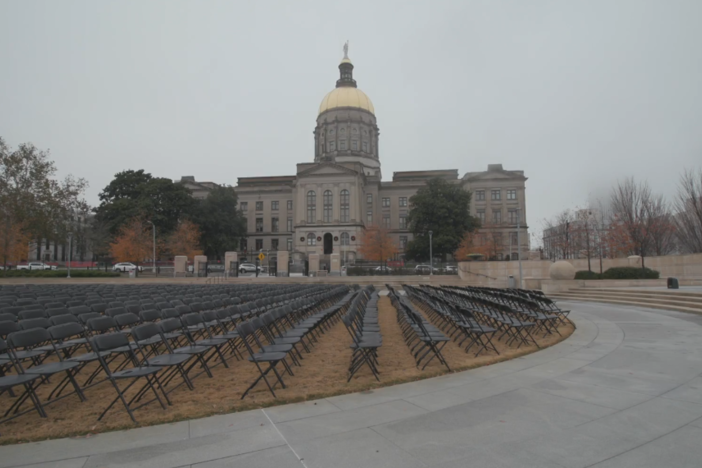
[88,357]
[276,348]
[24,354]
[53,367]
[190,349]
[267,357]
[135,372]
[211,342]
[168,359]
[8,381]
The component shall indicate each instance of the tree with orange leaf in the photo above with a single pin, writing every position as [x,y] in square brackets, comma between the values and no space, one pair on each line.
[14,242]
[134,242]
[377,245]
[185,240]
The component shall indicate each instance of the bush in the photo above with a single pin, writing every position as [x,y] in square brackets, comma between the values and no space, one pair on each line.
[57,274]
[630,273]
[587,275]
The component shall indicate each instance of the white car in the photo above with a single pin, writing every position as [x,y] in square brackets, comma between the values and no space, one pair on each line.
[36,266]
[383,269]
[125,267]
[425,269]
[248,268]
[451,269]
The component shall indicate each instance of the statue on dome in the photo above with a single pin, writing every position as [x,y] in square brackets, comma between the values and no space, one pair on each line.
[346,49]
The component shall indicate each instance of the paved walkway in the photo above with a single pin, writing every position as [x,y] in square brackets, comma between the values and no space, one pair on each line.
[624,391]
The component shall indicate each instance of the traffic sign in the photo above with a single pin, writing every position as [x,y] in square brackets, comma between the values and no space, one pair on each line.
[261,256]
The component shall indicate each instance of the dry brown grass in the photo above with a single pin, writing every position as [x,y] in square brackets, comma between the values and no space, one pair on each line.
[323,373]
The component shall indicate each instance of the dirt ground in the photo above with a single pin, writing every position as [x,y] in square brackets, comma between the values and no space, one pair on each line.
[323,373]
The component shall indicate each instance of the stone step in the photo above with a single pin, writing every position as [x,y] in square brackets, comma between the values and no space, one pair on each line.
[631,302]
[681,301]
[647,293]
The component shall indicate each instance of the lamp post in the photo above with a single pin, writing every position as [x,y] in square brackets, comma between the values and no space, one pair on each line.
[431,255]
[70,251]
[153,258]
[519,247]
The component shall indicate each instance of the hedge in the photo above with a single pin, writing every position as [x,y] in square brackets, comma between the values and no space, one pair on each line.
[630,273]
[587,275]
[57,274]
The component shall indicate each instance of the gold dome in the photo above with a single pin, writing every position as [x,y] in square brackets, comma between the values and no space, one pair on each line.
[346,96]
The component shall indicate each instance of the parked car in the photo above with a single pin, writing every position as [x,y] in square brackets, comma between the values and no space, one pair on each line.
[125,267]
[451,269]
[36,266]
[383,269]
[425,269]
[248,268]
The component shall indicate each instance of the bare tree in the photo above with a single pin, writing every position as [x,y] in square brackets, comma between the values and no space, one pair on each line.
[641,221]
[558,236]
[688,211]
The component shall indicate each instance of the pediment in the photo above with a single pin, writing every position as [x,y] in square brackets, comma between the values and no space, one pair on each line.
[323,169]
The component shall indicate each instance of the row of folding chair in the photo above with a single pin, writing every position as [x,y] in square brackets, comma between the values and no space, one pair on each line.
[361,322]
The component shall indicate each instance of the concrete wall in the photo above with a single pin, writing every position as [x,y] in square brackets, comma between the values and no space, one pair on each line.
[496,273]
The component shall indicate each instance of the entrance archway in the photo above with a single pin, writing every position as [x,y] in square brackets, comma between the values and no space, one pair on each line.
[328,244]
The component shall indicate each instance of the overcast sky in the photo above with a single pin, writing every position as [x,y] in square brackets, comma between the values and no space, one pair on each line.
[577,94]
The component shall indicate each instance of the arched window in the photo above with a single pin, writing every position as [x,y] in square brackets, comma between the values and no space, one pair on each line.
[328,206]
[344,238]
[311,239]
[311,206]
[344,206]
[342,130]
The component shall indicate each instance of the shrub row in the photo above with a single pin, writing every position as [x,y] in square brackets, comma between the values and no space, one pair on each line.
[56,274]
[619,273]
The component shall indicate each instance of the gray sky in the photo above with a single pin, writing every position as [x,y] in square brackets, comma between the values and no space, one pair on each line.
[575,93]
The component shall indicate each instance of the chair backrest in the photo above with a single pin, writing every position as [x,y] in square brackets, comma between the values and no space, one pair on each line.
[149,315]
[191,319]
[115,311]
[109,341]
[145,331]
[183,309]
[11,310]
[126,320]
[99,307]
[34,323]
[65,330]
[32,314]
[134,308]
[85,318]
[169,313]
[101,324]
[57,311]
[28,338]
[67,318]
[8,317]
[170,324]
[79,310]
[8,327]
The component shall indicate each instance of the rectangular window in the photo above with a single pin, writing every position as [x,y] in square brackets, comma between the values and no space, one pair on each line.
[369,199]
[480,195]
[497,237]
[311,207]
[342,145]
[364,146]
[369,217]
[496,216]
[403,242]
[290,225]
[244,206]
[386,221]
[259,244]
[495,195]
[289,244]
[243,245]
[481,216]
[511,194]
[259,206]
[289,204]
[386,203]
[514,239]
[344,206]
[274,244]
[403,221]
[403,201]
[332,145]
[259,224]
[274,224]
[274,205]
[513,216]
[354,145]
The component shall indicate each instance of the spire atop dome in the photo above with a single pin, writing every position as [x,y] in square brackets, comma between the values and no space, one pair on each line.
[346,70]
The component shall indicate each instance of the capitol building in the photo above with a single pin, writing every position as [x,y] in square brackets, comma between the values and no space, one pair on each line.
[327,204]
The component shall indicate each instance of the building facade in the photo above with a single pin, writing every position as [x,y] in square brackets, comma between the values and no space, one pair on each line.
[325,207]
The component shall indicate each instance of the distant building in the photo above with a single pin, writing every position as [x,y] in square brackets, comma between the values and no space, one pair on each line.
[199,190]
[325,207]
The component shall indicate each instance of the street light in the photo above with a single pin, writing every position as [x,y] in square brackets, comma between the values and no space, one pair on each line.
[153,258]
[431,255]
[519,247]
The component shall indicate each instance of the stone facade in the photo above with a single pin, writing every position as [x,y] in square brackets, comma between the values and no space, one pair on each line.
[324,208]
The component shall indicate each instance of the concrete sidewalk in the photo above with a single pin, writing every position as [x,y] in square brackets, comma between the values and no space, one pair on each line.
[624,390]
